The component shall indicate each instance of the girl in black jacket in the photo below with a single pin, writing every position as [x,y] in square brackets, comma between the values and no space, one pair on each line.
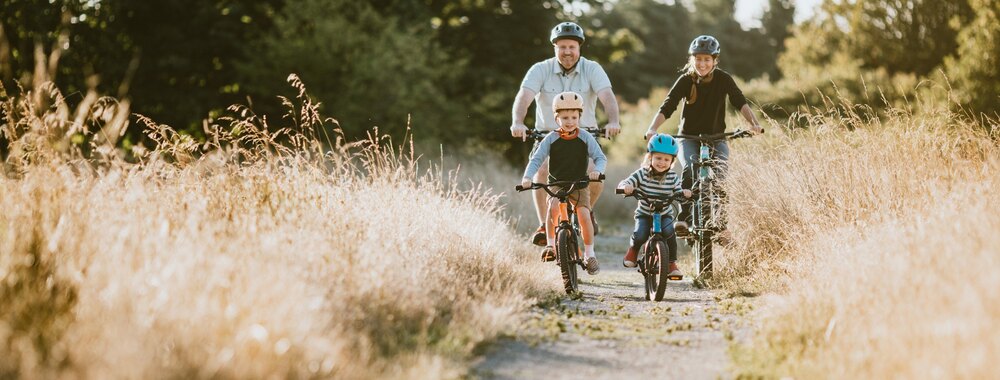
[704,88]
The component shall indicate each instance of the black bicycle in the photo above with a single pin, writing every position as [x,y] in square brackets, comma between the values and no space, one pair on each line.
[706,209]
[538,135]
[568,253]
[654,254]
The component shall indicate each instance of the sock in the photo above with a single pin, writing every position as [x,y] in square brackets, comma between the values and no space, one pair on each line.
[588,250]
[549,241]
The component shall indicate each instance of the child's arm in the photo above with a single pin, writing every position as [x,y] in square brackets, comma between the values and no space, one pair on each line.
[595,152]
[631,182]
[540,154]
[739,101]
[669,104]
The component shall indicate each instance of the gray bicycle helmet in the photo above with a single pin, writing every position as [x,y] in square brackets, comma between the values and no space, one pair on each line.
[567,30]
[705,45]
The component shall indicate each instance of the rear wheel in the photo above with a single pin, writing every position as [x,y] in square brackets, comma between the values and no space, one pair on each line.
[565,253]
[660,275]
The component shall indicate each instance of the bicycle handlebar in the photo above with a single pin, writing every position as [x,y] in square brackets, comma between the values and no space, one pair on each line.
[737,134]
[643,196]
[538,135]
[546,186]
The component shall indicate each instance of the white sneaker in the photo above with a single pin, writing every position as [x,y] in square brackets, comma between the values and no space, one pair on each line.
[593,267]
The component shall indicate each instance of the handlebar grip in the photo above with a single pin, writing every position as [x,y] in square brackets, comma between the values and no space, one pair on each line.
[602,177]
[619,190]
[518,188]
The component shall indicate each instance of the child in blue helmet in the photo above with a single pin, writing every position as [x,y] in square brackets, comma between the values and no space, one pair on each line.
[654,178]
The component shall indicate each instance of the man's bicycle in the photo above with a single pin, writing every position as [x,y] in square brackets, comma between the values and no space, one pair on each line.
[707,198]
[654,254]
[568,253]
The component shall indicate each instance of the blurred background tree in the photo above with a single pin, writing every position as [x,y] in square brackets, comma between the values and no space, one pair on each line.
[454,67]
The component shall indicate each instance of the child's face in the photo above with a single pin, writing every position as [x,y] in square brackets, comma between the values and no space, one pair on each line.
[568,120]
[703,63]
[660,162]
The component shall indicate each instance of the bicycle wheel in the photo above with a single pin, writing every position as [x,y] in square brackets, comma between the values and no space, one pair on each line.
[703,238]
[660,275]
[566,254]
[647,264]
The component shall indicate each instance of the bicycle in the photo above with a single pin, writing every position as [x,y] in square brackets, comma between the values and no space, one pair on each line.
[568,253]
[707,199]
[654,254]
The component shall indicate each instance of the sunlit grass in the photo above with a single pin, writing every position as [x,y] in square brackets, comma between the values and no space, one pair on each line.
[266,252]
[879,235]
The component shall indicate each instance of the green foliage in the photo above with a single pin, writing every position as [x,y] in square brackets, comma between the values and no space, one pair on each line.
[368,68]
[976,68]
[902,36]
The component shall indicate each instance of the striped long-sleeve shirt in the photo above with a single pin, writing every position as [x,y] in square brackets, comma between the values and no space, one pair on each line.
[655,186]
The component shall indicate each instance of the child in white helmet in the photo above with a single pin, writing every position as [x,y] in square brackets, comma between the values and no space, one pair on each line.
[568,149]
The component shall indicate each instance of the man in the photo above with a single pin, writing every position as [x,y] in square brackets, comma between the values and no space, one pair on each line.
[567,71]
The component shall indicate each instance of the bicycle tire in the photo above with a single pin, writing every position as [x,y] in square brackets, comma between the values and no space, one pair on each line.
[660,277]
[646,263]
[565,252]
[703,239]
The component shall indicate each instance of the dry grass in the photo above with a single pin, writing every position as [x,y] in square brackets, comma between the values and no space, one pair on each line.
[880,235]
[260,254]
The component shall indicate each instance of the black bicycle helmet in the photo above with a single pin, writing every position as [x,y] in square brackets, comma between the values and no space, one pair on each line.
[567,30]
[705,45]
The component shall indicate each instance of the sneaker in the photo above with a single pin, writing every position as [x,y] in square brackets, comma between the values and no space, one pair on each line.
[630,256]
[548,254]
[593,222]
[681,229]
[673,272]
[593,267]
[539,238]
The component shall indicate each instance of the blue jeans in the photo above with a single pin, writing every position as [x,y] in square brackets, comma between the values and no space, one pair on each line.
[688,155]
[643,228]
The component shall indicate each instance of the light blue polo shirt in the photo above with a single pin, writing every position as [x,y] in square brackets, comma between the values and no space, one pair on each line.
[547,80]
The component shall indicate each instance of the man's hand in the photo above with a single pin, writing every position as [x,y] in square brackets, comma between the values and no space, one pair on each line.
[687,193]
[519,130]
[612,130]
[595,175]
[525,182]
[649,134]
[627,189]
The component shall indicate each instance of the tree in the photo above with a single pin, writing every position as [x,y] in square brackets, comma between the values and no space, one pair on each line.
[975,69]
[367,68]
[909,36]
[776,24]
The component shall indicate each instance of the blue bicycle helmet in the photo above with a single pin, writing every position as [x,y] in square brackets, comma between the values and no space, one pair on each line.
[662,143]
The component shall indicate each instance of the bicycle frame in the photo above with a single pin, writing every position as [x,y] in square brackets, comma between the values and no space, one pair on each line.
[566,231]
[706,201]
[652,267]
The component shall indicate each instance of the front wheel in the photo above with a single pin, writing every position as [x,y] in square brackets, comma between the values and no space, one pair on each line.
[658,271]
[566,253]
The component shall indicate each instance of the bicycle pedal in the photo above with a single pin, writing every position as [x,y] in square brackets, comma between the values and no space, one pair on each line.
[675,278]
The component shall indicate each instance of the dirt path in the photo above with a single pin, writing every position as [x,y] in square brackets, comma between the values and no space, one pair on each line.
[612,332]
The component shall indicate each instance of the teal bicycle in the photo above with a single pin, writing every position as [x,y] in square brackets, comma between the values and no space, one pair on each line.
[706,210]
[654,254]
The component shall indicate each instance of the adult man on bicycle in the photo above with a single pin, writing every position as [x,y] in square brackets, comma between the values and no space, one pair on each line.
[566,71]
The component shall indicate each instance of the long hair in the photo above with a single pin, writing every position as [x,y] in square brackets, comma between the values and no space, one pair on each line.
[696,79]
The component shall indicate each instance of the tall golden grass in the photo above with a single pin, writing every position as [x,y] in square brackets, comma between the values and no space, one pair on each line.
[265,252]
[879,234]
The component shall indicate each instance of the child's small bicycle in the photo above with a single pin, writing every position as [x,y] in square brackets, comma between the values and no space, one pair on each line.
[568,253]
[654,254]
